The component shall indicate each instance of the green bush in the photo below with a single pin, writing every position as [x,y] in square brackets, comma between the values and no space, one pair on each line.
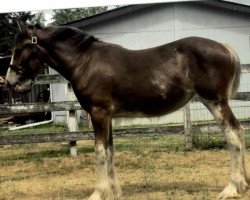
[206,141]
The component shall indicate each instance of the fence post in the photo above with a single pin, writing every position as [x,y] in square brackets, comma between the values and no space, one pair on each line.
[72,120]
[187,127]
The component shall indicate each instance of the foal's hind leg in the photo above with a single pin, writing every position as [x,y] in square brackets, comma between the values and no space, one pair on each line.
[234,135]
[107,187]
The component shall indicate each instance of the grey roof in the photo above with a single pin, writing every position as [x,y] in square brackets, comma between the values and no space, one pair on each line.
[243,2]
[107,15]
[234,5]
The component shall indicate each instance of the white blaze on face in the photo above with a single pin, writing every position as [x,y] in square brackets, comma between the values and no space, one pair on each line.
[12,59]
[11,75]
[11,63]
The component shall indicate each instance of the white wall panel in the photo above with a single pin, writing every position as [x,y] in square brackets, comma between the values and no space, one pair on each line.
[152,39]
[127,40]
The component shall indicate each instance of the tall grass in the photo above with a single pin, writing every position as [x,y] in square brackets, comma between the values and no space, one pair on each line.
[206,141]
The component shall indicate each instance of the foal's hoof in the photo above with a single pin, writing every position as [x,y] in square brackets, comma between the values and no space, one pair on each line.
[95,196]
[99,196]
[105,194]
[233,190]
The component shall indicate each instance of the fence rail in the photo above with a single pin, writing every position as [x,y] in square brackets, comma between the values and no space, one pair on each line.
[50,79]
[10,109]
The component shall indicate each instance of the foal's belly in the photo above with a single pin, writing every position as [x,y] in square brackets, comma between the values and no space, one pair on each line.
[153,105]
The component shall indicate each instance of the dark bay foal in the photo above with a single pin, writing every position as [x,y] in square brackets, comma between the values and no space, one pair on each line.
[109,80]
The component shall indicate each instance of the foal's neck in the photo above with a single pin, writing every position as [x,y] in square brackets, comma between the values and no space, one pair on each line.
[64,57]
[65,53]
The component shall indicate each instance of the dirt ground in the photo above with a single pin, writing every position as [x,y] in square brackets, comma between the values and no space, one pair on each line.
[148,169]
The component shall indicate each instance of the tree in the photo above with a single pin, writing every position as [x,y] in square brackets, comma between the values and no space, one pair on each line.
[39,18]
[67,15]
[9,28]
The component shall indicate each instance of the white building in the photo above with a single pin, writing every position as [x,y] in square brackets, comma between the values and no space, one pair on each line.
[144,26]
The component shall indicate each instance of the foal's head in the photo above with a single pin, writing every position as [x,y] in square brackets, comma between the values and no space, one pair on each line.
[25,62]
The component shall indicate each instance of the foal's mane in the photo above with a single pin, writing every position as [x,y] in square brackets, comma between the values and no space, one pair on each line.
[77,36]
[60,34]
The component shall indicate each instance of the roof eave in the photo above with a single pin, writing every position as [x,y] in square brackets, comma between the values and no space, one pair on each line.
[106,15]
[132,8]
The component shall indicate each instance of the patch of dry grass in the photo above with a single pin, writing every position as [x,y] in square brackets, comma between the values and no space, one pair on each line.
[150,168]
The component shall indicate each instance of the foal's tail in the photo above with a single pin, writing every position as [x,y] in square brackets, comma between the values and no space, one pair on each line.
[235,61]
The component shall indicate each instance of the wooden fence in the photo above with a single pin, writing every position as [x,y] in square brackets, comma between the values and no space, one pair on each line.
[71,106]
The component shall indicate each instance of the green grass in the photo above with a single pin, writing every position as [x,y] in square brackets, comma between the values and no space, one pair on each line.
[46,128]
[150,167]
[206,141]
[155,144]
[35,156]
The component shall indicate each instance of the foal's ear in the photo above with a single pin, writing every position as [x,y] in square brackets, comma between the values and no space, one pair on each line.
[21,26]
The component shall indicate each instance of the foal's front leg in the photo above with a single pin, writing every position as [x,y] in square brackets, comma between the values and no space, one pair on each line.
[107,187]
